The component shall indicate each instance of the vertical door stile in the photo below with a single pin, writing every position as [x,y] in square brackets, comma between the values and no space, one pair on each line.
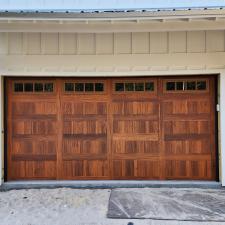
[59,129]
[214,160]
[9,129]
[109,128]
[161,130]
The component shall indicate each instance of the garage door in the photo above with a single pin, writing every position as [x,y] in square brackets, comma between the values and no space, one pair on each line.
[142,128]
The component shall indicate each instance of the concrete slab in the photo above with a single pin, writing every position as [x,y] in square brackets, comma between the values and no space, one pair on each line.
[107,184]
[65,206]
[168,204]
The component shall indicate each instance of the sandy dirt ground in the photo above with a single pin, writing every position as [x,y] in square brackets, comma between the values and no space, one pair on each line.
[65,207]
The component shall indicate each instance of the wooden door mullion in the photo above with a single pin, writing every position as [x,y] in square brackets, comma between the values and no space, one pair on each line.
[110,129]
[59,162]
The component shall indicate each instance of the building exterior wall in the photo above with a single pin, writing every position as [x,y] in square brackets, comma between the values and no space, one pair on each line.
[110,54]
[116,54]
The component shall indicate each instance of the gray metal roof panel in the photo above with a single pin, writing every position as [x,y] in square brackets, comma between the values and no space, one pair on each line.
[106,5]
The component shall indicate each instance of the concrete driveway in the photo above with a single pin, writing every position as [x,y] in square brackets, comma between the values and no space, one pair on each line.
[65,206]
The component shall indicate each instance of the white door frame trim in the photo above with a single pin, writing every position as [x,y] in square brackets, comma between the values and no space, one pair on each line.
[1,129]
[221,130]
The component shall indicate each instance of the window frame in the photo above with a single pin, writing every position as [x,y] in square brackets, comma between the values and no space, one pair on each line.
[33,92]
[184,81]
[142,80]
[84,92]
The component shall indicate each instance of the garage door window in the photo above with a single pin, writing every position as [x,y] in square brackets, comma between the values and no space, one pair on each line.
[88,87]
[33,87]
[134,87]
[184,86]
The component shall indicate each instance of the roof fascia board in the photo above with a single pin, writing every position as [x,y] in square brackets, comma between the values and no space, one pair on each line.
[108,27]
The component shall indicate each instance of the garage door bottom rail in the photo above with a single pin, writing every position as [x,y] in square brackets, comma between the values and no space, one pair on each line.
[87,184]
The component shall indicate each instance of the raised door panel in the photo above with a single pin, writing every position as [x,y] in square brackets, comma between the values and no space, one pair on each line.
[32,129]
[188,128]
[135,129]
[84,132]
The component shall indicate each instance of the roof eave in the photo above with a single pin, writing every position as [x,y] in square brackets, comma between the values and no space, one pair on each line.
[69,15]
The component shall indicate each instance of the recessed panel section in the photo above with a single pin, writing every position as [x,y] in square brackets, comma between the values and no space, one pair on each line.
[33,170]
[84,146]
[135,127]
[34,127]
[134,147]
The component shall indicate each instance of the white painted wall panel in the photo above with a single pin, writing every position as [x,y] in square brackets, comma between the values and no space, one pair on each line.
[86,44]
[15,43]
[196,41]
[67,44]
[109,43]
[33,43]
[215,41]
[3,43]
[159,42]
[167,46]
[177,42]
[104,44]
[140,43]
[50,43]
[122,42]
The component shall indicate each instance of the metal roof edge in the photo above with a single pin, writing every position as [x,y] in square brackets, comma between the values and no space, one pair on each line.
[63,10]
[113,14]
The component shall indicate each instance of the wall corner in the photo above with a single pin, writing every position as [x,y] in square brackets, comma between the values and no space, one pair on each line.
[1,130]
[222,127]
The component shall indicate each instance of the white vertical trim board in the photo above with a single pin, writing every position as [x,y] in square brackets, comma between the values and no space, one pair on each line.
[1,130]
[222,127]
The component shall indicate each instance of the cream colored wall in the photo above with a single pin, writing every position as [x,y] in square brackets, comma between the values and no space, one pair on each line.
[110,53]
[111,44]
[113,54]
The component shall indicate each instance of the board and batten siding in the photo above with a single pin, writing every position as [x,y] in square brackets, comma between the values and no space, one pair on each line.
[116,54]
[111,44]
[102,53]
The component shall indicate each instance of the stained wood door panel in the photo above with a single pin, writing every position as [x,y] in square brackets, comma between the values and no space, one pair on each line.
[97,146]
[88,169]
[189,169]
[36,108]
[135,136]
[136,169]
[84,108]
[158,128]
[135,108]
[40,169]
[201,146]
[32,148]
[133,146]
[187,107]
[85,129]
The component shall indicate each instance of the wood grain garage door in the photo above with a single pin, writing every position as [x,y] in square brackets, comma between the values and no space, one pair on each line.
[32,129]
[145,128]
